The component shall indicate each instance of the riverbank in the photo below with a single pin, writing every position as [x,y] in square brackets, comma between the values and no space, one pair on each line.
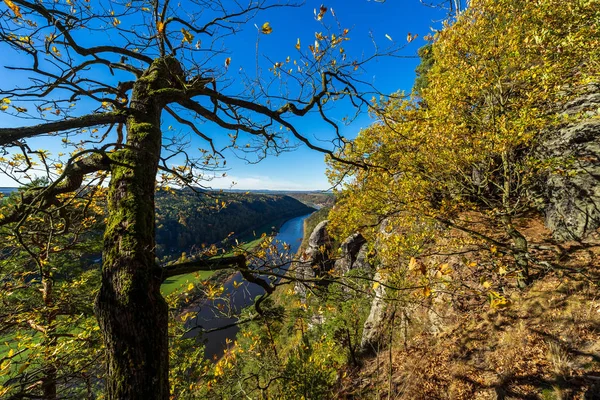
[236,294]
[200,280]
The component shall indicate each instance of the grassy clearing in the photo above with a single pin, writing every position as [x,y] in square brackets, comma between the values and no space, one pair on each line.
[179,283]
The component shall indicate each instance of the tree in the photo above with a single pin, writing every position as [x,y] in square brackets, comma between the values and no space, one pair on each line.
[153,61]
[47,316]
[425,54]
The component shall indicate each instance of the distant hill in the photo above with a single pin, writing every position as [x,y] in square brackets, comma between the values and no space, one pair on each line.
[312,198]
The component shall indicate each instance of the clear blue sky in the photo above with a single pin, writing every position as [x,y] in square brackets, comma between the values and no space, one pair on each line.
[303,169]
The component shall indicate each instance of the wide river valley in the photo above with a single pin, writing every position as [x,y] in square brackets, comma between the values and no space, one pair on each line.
[239,294]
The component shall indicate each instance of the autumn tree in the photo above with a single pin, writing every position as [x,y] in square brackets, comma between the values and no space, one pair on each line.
[47,316]
[500,72]
[101,77]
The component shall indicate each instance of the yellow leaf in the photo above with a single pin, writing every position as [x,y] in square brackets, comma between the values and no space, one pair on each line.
[412,264]
[322,11]
[190,287]
[266,28]
[426,291]
[375,285]
[160,26]
[6,100]
[187,37]
[298,44]
[486,284]
[15,8]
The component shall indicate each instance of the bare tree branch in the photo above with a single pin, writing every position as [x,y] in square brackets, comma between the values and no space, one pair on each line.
[9,135]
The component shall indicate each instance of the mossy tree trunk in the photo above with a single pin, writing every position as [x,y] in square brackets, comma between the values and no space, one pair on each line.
[130,308]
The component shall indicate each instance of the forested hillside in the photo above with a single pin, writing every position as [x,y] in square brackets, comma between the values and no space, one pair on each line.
[187,220]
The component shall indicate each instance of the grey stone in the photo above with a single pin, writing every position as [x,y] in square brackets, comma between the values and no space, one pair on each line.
[315,261]
[362,260]
[372,329]
[349,252]
[570,194]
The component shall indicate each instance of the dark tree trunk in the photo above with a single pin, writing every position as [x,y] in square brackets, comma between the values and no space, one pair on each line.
[520,253]
[130,308]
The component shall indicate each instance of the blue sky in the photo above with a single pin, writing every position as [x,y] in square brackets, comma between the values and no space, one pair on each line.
[303,169]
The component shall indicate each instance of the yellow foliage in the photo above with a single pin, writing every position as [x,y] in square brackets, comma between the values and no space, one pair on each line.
[187,36]
[14,8]
[266,28]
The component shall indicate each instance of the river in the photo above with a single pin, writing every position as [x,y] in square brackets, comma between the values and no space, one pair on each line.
[291,232]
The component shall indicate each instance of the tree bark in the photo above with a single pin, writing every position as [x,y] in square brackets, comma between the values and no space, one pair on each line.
[131,311]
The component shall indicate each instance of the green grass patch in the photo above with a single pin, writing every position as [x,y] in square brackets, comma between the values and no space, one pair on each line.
[179,283]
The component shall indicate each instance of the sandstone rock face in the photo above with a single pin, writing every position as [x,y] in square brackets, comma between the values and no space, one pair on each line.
[319,235]
[571,195]
[349,253]
[375,324]
[362,261]
[315,261]
[373,327]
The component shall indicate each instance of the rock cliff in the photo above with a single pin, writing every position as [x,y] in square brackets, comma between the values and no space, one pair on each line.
[571,191]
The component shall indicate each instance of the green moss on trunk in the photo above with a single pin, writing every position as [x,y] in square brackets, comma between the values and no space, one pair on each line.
[131,311]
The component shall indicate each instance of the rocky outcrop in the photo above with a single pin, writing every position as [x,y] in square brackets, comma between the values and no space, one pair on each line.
[349,251]
[315,261]
[354,254]
[362,261]
[571,191]
[374,325]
